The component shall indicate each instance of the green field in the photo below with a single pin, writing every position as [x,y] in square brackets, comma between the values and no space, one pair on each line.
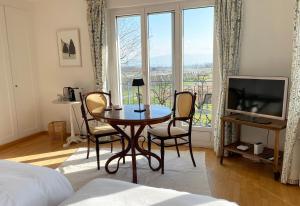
[130,98]
[161,92]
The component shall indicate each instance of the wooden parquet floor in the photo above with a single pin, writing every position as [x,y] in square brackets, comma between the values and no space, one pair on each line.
[239,180]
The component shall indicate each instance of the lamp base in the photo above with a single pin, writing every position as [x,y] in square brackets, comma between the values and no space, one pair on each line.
[140,110]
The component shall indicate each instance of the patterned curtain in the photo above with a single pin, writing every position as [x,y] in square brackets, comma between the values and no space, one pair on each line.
[228,14]
[96,23]
[291,162]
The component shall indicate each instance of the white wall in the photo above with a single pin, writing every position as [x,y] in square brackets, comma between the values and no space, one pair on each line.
[267,37]
[266,46]
[16,3]
[49,16]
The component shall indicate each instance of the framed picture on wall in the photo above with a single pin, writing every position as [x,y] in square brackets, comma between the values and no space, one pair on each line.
[69,50]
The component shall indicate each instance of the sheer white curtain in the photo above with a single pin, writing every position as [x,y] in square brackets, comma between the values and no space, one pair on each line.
[96,23]
[228,15]
[291,162]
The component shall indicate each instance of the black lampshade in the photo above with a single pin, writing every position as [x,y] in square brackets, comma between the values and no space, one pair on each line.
[138,82]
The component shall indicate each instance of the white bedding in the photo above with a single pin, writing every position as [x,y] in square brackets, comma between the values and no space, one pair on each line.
[28,185]
[117,193]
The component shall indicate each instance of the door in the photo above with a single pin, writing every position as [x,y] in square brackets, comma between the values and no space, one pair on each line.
[7,118]
[20,55]
[129,55]
[160,58]
[197,69]
[171,47]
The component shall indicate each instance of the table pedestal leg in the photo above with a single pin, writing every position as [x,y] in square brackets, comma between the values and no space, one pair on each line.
[73,137]
[133,146]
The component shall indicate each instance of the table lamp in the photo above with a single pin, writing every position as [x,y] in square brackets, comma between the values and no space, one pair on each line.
[138,83]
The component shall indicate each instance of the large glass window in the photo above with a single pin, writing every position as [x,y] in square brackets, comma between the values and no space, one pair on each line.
[198,60]
[165,47]
[130,55]
[160,38]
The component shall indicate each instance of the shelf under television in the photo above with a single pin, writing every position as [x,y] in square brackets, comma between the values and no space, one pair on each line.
[238,118]
[273,125]
[264,156]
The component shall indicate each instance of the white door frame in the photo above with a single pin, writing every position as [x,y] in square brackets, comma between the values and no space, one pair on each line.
[143,11]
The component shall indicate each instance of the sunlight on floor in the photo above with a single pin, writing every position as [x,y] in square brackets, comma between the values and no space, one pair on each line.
[45,159]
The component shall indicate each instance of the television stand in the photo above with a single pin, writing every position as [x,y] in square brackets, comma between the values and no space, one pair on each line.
[269,155]
[254,119]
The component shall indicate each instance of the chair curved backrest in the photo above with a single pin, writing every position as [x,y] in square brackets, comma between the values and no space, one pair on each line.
[83,113]
[184,104]
[96,102]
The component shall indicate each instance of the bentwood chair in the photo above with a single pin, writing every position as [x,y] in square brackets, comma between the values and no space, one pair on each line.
[183,111]
[103,133]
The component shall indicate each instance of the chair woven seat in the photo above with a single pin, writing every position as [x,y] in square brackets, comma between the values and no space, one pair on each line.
[103,129]
[163,131]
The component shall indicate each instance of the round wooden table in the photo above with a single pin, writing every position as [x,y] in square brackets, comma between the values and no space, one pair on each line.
[154,114]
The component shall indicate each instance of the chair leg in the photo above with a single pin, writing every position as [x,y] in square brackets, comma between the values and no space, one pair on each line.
[97,153]
[162,156]
[88,147]
[149,146]
[191,151]
[177,147]
[123,148]
[111,146]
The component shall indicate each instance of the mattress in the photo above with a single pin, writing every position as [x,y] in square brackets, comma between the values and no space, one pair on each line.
[118,193]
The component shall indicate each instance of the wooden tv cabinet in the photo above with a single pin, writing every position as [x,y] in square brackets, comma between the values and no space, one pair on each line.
[270,124]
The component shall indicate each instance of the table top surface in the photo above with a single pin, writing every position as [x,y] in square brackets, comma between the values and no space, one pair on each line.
[154,114]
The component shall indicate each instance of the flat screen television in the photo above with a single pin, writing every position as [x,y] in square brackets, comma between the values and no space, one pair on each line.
[257,96]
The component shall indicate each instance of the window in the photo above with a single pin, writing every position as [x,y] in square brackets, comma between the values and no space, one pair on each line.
[161,57]
[130,55]
[171,48]
[198,60]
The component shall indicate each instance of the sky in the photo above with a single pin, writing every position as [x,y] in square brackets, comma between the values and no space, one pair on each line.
[197,37]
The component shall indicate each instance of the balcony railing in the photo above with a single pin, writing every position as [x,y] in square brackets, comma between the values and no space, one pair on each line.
[162,93]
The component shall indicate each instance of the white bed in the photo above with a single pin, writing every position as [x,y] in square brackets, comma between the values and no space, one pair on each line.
[117,193]
[28,185]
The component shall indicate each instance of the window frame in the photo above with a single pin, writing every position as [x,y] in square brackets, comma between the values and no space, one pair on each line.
[143,11]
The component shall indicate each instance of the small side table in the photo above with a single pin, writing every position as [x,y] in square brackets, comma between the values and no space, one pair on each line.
[73,137]
[275,154]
